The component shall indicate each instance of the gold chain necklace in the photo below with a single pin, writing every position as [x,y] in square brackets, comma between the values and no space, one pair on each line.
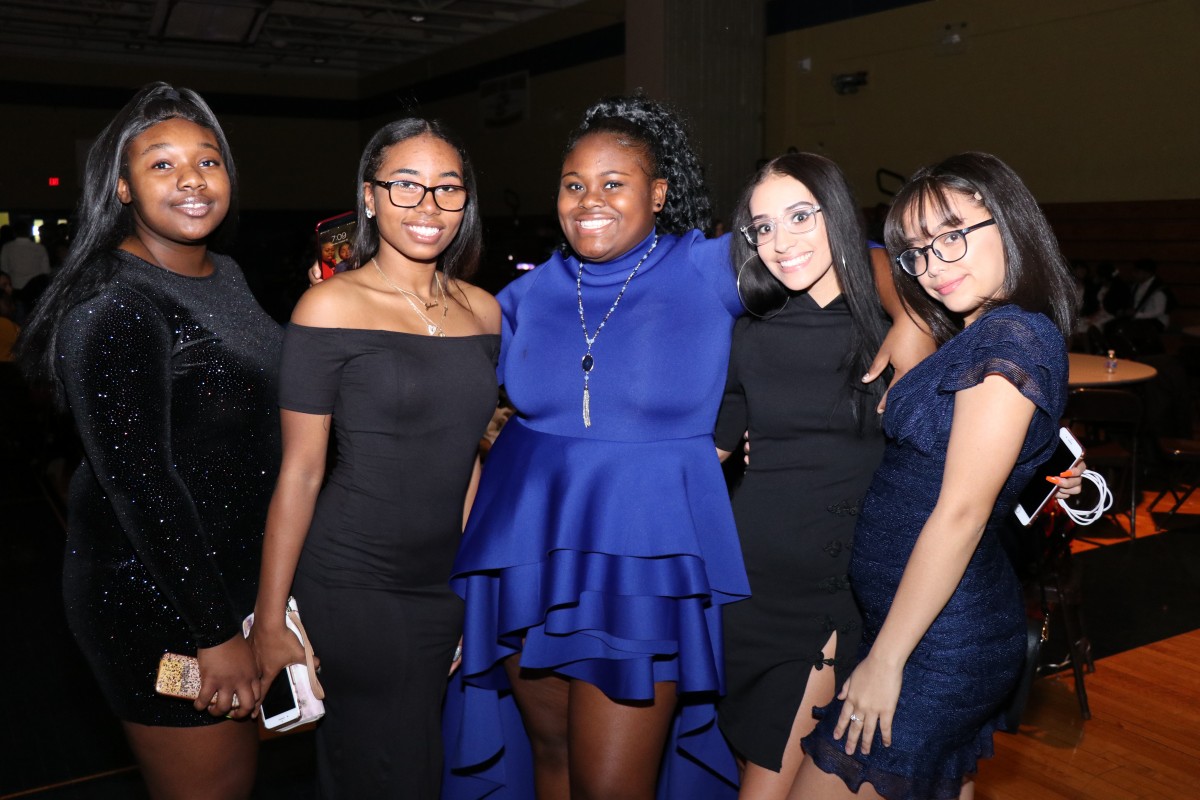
[434,328]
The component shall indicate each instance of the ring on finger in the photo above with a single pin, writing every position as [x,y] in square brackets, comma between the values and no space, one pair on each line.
[855,718]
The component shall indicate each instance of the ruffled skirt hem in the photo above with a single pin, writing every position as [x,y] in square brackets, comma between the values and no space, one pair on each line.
[944,783]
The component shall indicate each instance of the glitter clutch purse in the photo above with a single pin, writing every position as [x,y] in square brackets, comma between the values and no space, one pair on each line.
[178,676]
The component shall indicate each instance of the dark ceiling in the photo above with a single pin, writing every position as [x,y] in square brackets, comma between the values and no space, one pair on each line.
[346,38]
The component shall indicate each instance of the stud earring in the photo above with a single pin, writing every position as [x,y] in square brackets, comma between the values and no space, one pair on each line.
[370,213]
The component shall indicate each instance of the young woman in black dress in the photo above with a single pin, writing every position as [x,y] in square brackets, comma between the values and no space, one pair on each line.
[168,366]
[795,384]
[397,357]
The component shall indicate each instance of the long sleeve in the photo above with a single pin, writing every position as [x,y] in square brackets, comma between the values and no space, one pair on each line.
[121,399]
[733,418]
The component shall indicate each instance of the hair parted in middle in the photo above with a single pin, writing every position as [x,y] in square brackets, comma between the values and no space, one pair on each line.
[460,259]
[762,293]
[660,132]
[1036,276]
[103,221]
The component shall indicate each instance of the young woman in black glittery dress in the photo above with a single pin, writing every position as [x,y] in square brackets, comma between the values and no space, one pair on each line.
[168,366]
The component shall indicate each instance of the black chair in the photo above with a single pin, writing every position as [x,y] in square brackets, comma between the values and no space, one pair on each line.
[1050,577]
[1182,460]
[1110,421]
[1059,583]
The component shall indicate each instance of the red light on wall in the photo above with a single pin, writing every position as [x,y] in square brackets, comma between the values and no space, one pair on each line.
[52,181]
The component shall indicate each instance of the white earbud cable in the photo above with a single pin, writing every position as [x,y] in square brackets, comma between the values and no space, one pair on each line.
[1103,504]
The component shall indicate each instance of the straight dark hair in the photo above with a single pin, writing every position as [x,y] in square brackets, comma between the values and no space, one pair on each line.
[102,222]
[1036,276]
[460,259]
[762,294]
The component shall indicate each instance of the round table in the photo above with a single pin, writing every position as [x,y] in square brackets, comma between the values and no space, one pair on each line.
[1089,370]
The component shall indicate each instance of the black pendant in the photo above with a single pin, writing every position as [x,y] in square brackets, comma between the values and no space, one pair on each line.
[588,362]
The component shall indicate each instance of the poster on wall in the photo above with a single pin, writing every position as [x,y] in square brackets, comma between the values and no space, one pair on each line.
[504,100]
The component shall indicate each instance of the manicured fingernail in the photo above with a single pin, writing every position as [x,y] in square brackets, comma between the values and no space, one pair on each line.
[866,377]
[1066,474]
[1053,479]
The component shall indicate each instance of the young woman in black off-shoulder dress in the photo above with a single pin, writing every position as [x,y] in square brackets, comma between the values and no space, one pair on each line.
[397,358]
[168,366]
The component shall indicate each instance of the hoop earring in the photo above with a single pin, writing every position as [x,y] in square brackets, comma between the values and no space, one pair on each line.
[786,299]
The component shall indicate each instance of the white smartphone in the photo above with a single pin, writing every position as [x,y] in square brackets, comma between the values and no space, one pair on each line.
[279,704]
[1039,491]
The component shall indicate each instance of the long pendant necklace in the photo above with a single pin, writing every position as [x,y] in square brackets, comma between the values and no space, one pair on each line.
[435,328]
[588,361]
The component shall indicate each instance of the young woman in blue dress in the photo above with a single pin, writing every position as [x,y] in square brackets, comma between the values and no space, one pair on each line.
[601,546]
[943,620]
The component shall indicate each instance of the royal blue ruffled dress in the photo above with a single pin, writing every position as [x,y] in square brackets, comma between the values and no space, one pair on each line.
[964,668]
[609,550]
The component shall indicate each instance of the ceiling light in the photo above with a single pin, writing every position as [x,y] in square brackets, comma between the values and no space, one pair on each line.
[417,17]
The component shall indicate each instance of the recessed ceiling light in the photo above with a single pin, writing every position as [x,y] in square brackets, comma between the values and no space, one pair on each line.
[417,17]
[319,59]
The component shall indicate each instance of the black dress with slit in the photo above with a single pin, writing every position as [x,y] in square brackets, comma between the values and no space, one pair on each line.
[172,382]
[810,464]
[372,583]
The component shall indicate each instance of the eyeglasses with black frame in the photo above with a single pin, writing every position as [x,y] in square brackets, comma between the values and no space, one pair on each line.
[410,194]
[949,247]
[796,220]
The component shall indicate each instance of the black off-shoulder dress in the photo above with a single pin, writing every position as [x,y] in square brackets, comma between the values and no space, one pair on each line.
[373,579]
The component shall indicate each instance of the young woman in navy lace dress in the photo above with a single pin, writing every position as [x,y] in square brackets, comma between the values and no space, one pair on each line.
[943,621]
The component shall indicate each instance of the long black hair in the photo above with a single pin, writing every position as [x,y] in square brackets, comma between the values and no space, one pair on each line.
[1036,276]
[103,222]
[460,259]
[660,132]
[762,293]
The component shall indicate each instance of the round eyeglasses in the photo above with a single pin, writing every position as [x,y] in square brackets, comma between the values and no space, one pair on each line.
[800,219]
[948,247]
[410,194]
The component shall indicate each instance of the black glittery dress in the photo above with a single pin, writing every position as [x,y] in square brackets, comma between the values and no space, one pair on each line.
[373,578]
[810,465]
[172,382]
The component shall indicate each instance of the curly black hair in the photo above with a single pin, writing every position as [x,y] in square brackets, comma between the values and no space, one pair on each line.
[660,131]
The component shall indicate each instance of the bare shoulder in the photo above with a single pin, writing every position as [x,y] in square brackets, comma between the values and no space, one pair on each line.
[483,306]
[332,303]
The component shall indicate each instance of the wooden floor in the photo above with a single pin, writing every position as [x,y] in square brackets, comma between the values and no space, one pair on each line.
[1143,740]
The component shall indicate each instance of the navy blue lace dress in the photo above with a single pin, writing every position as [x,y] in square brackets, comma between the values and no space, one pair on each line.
[965,666]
